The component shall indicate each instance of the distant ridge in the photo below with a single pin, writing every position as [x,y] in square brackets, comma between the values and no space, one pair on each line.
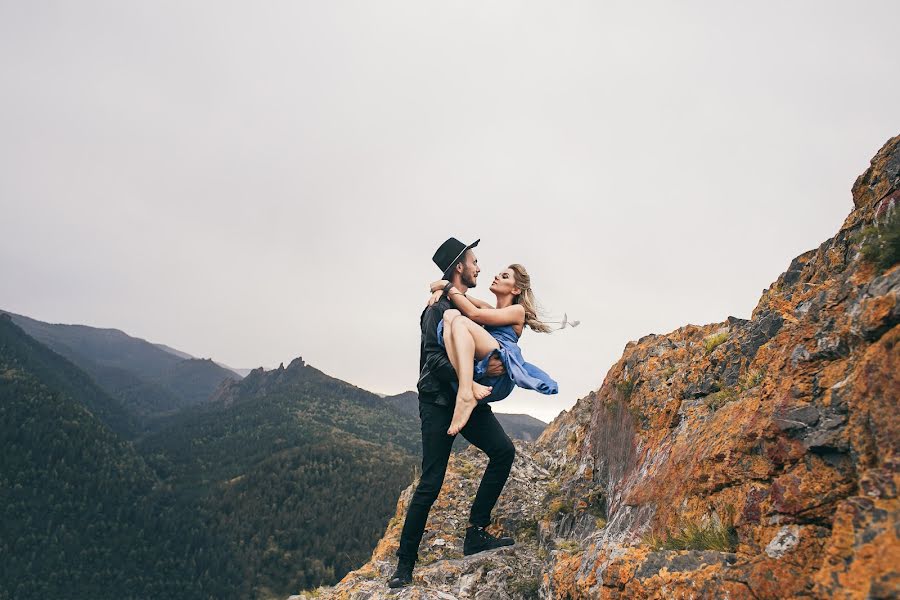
[149,379]
[22,352]
[172,350]
[180,354]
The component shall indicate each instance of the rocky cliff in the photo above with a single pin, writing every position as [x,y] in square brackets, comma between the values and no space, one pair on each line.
[744,459]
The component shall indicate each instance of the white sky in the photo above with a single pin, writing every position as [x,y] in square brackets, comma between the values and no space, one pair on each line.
[257,181]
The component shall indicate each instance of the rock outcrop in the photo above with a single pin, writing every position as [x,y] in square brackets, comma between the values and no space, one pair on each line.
[743,459]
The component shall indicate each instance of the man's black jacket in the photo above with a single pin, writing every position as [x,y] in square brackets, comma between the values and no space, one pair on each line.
[435,371]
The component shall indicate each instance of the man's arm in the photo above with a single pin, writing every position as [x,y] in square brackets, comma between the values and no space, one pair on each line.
[436,359]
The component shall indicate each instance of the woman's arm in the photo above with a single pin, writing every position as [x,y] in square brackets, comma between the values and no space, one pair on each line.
[509,315]
[479,303]
[438,285]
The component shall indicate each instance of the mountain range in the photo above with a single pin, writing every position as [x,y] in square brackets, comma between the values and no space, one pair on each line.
[150,380]
[209,485]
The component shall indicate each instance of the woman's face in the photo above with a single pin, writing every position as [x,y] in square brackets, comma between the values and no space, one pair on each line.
[504,283]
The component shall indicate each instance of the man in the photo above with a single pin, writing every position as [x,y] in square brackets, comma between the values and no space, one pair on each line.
[437,399]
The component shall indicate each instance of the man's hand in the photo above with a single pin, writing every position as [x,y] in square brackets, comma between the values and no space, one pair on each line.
[435,297]
[495,367]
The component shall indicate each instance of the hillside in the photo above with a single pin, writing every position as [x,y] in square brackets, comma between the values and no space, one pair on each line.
[521,427]
[297,471]
[58,373]
[83,515]
[746,459]
[285,480]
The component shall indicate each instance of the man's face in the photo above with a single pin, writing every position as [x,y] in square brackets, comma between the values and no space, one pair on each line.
[470,269]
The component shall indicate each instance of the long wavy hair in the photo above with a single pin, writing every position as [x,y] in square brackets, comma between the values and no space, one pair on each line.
[526,299]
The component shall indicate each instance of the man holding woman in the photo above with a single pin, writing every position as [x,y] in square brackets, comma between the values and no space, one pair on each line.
[441,387]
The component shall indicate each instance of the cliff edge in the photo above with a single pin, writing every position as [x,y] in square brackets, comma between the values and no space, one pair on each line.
[743,459]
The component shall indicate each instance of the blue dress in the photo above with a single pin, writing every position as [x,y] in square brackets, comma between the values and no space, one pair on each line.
[518,372]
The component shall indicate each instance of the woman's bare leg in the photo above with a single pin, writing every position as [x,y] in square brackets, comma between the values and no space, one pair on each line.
[478,390]
[468,341]
[484,344]
[449,315]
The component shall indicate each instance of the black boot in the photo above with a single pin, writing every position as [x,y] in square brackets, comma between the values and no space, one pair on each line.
[403,575]
[479,540]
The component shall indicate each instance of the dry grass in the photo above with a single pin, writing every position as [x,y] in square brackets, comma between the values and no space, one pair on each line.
[706,534]
[718,399]
[880,244]
[712,342]
[528,587]
[569,546]
[626,388]
[752,379]
[560,506]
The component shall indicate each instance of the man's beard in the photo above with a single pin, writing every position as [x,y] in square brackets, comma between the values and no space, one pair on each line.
[468,280]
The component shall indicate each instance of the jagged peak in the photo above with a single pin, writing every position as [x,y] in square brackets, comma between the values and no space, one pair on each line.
[881,179]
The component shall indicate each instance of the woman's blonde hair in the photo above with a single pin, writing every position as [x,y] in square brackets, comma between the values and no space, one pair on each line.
[526,299]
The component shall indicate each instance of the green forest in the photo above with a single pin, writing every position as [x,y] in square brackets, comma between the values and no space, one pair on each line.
[284,484]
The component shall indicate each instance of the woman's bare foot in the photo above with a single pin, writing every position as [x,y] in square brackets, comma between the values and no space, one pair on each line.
[465,404]
[481,391]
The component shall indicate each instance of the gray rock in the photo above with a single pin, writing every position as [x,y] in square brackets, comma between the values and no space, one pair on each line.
[761,331]
[705,387]
[794,270]
[798,418]
[830,347]
[800,354]
[889,283]
[676,561]
[784,541]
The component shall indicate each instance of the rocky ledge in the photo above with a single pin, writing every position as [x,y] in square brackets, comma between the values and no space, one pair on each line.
[752,458]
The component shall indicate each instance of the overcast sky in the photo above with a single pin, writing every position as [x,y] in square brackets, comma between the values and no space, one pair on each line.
[256,181]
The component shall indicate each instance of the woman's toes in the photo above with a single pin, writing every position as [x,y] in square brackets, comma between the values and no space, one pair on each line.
[481,391]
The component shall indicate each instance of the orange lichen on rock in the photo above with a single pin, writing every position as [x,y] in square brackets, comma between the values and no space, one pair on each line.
[788,419]
[751,458]
[861,560]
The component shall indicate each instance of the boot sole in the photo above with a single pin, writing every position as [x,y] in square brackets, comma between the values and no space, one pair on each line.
[471,552]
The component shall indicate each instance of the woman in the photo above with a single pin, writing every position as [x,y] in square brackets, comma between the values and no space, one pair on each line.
[469,345]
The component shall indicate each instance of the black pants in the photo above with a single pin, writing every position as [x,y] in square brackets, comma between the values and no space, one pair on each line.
[484,432]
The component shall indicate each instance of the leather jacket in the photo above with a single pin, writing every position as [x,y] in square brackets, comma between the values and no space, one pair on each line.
[436,373]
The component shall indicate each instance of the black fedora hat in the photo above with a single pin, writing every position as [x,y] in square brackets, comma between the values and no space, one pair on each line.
[450,252]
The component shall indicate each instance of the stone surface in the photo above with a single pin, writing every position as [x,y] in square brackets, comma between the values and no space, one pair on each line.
[781,430]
